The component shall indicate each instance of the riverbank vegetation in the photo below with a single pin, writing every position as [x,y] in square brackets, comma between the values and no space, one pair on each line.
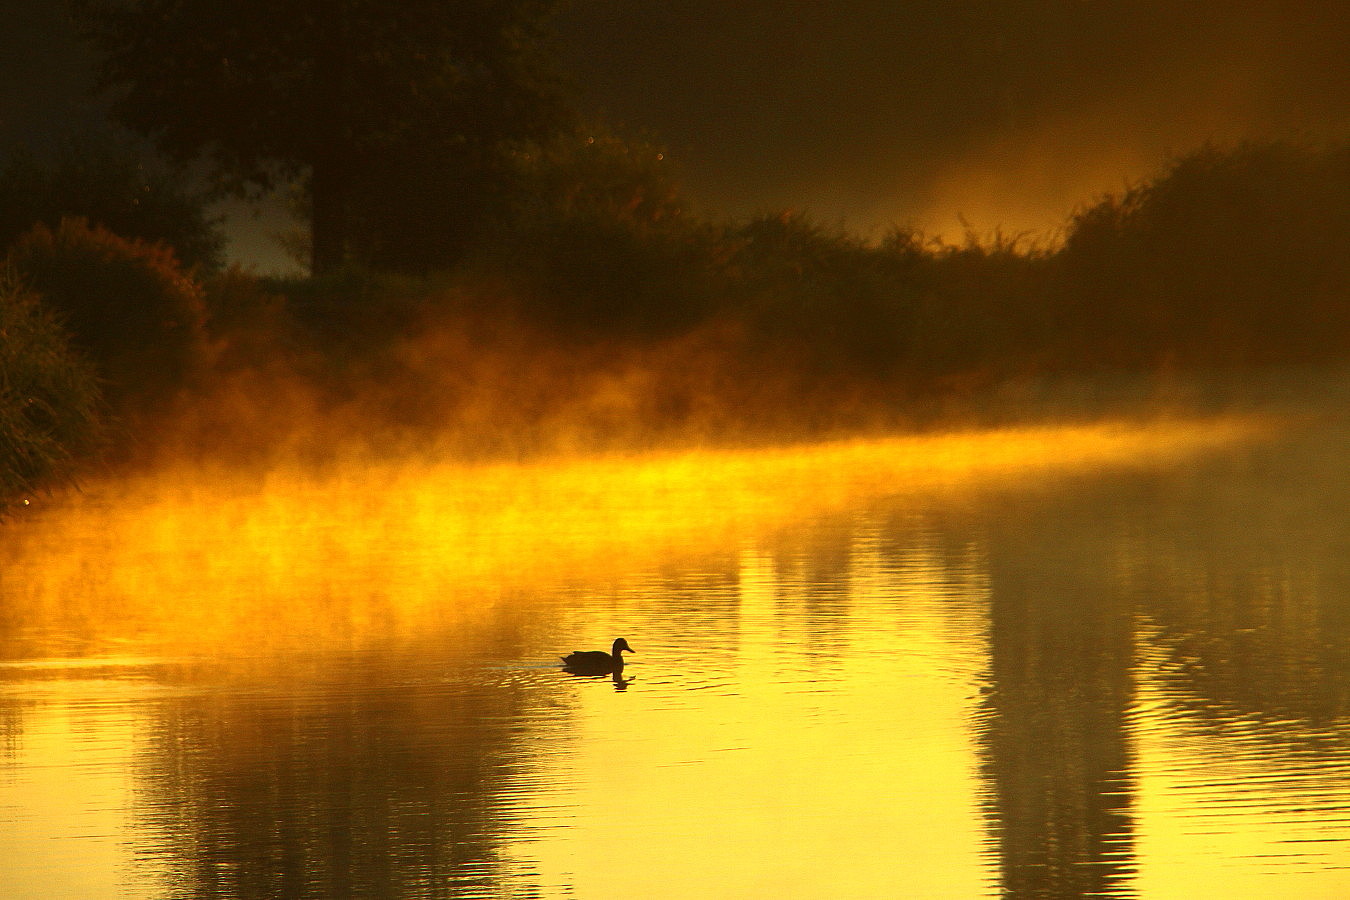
[599,312]
[493,278]
[50,415]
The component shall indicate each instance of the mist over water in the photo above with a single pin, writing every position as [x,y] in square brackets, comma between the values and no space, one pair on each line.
[1067,659]
[978,520]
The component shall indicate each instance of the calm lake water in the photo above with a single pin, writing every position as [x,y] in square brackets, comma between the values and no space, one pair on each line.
[1064,662]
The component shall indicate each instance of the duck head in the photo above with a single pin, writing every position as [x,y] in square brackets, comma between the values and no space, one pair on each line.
[619,645]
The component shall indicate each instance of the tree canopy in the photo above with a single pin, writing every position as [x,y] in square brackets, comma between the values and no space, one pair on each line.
[373,103]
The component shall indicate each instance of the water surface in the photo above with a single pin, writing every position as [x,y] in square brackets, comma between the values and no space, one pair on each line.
[1070,663]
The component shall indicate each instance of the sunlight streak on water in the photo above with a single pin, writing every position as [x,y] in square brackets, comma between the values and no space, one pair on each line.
[68,793]
[198,559]
[856,698]
[1074,661]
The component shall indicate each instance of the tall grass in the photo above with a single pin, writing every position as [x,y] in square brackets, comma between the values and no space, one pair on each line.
[50,409]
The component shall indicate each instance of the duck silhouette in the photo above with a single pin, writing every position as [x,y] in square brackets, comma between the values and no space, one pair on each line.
[597,662]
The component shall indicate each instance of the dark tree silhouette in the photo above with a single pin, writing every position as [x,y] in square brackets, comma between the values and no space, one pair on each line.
[111,183]
[127,304]
[346,93]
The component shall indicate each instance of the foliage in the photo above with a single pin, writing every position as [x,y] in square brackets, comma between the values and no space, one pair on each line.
[987,312]
[1235,255]
[829,295]
[49,397]
[384,107]
[600,310]
[593,173]
[1228,257]
[111,184]
[599,239]
[126,303]
[603,314]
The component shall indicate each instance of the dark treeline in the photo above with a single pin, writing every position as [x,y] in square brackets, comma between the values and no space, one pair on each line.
[599,312]
[781,326]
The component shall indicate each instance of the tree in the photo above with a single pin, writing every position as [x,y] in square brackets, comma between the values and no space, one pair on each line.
[343,93]
[127,305]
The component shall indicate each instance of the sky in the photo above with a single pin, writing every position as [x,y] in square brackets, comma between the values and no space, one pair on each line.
[1007,113]
[999,114]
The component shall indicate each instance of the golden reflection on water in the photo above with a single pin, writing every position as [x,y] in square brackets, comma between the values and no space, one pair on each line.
[820,733]
[1250,804]
[210,559]
[856,675]
[71,784]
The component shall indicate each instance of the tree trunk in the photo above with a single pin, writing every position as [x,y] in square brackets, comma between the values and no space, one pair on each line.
[328,217]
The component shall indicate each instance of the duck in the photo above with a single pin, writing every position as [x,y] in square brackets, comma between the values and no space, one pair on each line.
[597,662]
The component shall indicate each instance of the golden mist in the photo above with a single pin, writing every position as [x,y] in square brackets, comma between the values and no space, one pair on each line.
[213,559]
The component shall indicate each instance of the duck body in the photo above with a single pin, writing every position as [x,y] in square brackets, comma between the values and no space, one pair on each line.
[597,662]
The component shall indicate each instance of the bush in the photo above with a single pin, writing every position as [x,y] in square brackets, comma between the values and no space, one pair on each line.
[598,240]
[113,185]
[127,305]
[49,398]
[1230,255]
[828,295]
